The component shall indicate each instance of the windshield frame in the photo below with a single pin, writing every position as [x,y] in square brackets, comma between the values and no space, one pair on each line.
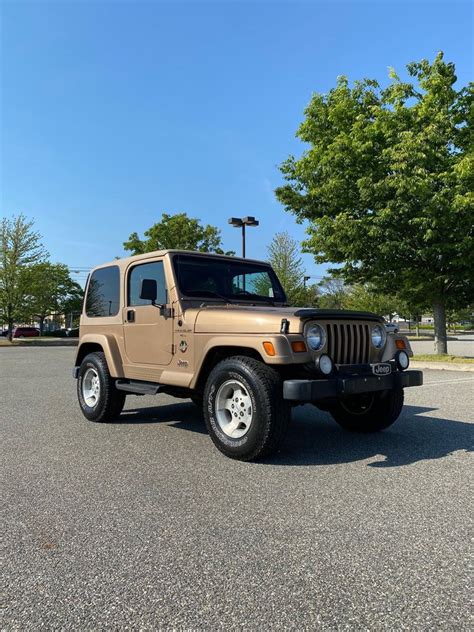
[239,299]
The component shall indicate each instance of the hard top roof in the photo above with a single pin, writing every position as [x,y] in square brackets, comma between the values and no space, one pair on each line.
[125,261]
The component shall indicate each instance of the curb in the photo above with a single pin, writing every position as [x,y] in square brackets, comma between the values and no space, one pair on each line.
[443,366]
[42,343]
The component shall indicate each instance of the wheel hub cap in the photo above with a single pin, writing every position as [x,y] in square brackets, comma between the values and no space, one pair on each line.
[234,411]
[91,387]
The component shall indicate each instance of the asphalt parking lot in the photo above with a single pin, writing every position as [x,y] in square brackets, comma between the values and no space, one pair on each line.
[463,346]
[143,524]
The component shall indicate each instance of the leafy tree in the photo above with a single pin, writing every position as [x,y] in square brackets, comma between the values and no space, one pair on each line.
[177,232]
[387,182]
[367,298]
[334,293]
[20,246]
[49,290]
[284,256]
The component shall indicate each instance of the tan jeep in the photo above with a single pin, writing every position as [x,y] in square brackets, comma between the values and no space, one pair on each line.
[218,330]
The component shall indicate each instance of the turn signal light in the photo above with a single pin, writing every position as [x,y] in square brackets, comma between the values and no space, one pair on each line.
[400,344]
[298,346]
[269,348]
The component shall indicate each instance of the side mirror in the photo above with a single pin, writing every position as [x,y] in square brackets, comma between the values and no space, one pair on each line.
[149,290]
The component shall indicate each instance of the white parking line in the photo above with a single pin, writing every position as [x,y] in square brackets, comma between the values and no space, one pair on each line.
[462,379]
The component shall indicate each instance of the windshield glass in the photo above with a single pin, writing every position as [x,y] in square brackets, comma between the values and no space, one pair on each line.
[236,281]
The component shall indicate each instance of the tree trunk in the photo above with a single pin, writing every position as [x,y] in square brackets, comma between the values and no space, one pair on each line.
[417,328]
[10,329]
[41,322]
[10,321]
[440,337]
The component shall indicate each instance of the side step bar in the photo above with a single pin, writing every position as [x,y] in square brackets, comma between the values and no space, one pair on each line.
[137,387]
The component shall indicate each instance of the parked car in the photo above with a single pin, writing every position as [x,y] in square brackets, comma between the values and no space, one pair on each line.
[392,328]
[73,332]
[5,332]
[25,332]
[56,333]
[207,327]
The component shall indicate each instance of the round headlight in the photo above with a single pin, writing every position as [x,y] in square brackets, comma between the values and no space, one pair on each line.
[316,337]
[378,336]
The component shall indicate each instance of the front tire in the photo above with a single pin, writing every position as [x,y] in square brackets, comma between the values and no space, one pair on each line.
[98,398]
[246,415]
[369,412]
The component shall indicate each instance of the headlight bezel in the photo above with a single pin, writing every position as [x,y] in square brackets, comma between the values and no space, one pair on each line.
[321,336]
[383,336]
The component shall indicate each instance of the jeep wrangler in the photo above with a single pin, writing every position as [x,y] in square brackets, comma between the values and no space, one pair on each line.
[218,330]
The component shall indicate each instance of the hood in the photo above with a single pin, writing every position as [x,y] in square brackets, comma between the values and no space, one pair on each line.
[265,319]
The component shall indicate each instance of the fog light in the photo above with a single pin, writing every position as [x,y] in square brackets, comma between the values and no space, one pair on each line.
[324,364]
[402,360]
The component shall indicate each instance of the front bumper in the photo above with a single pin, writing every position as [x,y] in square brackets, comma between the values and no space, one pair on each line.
[340,385]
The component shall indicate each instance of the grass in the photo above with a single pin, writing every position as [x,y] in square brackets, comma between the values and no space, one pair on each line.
[442,358]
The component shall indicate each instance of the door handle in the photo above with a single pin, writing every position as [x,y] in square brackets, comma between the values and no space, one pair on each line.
[130,316]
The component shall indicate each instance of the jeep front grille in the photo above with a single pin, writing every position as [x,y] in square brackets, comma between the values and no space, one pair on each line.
[348,343]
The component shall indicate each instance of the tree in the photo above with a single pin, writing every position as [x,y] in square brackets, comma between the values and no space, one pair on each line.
[177,232]
[20,246]
[334,293]
[284,256]
[49,290]
[367,298]
[387,185]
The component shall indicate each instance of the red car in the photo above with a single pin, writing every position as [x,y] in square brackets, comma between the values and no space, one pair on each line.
[25,332]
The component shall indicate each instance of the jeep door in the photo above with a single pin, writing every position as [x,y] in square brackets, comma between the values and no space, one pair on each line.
[147,329]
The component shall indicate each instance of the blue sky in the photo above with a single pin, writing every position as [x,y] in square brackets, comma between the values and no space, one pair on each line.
[114,112]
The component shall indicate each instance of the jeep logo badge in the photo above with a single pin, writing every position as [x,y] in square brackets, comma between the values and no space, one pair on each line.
[381,369]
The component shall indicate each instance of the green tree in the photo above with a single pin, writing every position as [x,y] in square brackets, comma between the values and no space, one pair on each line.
[49,290]
[284,256]
[334,293]
[177,232]
[20,247]
[367,298]
[387,182]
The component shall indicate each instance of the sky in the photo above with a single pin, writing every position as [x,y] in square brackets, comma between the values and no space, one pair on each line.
[115,112]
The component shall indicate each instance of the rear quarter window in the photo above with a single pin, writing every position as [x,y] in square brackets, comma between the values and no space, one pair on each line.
[103,292]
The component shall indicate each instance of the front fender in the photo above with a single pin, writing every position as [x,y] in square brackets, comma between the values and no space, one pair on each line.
[391,346]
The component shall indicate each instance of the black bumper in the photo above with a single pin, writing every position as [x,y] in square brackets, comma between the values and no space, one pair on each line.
[340,385]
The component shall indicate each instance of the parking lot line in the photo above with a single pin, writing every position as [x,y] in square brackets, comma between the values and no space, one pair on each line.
[462,379]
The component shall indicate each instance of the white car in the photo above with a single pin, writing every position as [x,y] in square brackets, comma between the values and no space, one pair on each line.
[392,328]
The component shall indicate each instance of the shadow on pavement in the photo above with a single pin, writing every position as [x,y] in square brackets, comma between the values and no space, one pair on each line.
[185,415]
[315,439]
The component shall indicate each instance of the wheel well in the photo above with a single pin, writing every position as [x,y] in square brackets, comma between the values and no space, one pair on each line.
[215,355]
[85,349]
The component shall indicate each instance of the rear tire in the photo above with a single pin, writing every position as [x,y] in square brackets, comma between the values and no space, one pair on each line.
[246,415]
[369,412]
[98,398]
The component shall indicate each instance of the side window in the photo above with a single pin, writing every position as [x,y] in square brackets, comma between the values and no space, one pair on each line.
[142,271]
[103,292]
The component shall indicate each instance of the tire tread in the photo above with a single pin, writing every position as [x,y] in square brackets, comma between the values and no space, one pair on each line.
[112,400]
[273,406]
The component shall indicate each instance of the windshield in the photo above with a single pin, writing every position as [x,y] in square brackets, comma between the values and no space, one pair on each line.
[234,281]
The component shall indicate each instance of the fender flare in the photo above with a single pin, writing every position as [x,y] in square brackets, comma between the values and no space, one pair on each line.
[108,345]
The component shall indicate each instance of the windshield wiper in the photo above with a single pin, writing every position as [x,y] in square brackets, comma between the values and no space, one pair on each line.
[209,293]
[256,297]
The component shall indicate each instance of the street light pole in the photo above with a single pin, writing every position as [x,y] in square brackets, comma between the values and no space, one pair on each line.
[242,222]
